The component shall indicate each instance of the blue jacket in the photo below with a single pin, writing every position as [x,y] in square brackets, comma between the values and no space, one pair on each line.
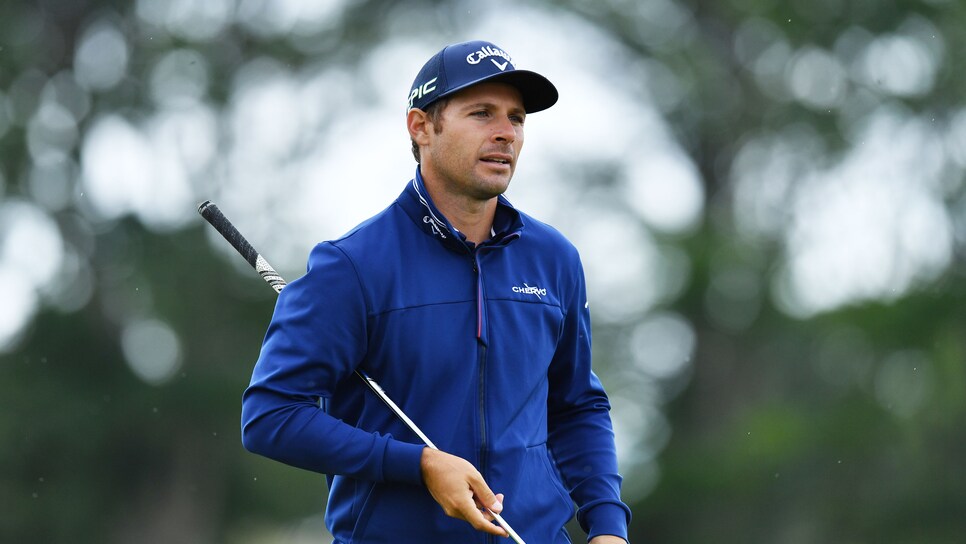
[486,349]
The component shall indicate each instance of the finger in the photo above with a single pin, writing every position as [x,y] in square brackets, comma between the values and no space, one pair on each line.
[486,511]
[484,496]
[479,521]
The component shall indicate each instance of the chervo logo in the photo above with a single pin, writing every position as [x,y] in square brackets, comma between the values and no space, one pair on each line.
[527,290]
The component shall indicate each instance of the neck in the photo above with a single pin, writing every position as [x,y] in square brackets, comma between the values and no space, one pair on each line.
[476,225]
[471,216]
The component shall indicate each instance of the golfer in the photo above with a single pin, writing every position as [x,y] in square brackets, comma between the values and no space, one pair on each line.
[473,316]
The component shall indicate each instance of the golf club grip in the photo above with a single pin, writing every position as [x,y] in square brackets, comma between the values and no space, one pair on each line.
[213,215]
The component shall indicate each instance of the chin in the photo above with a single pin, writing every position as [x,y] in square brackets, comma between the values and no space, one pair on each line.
[493,189]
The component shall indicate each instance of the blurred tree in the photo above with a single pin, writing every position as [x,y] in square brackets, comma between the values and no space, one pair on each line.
[793,423]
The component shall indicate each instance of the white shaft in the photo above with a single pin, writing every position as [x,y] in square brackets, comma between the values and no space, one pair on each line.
[412,426]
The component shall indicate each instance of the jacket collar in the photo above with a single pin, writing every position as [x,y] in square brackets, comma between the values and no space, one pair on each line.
[415,200]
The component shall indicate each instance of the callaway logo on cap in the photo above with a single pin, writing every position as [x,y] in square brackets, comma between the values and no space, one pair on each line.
[460,65]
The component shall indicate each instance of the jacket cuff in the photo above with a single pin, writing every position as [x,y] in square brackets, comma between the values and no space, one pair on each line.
[606,519]
[402,462]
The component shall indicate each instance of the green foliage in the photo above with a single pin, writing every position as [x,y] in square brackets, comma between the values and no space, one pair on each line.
[841,427]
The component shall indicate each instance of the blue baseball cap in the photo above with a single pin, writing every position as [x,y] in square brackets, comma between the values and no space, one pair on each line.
[461,65]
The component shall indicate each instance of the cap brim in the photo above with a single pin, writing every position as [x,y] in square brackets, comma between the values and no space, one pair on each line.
[537,91]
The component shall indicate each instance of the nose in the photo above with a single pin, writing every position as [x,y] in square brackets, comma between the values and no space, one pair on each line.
[504,131]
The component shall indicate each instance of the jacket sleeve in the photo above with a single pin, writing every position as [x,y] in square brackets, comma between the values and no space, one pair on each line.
[580,433]
[316,339]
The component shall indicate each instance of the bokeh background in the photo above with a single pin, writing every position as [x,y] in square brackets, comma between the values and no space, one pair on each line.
[768,196]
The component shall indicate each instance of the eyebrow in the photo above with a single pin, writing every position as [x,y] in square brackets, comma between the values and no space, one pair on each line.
[491,105]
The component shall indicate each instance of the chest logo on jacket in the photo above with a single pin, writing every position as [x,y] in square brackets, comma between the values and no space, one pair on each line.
[539,292]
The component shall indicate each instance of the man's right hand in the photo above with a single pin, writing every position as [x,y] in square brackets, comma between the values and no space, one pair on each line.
[459,488]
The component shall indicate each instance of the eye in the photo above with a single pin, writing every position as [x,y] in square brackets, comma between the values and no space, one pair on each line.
[480,113]
[517,119]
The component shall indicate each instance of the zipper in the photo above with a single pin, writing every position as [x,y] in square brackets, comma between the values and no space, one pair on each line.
[479,295]
[481,358]
[482,392]
[481,343]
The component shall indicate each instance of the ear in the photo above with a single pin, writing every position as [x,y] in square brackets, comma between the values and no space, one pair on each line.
[419,125]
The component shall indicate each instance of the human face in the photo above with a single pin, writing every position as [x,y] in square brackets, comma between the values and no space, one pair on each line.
[474,154]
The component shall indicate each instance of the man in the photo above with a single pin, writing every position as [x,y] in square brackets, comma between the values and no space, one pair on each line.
[472,316]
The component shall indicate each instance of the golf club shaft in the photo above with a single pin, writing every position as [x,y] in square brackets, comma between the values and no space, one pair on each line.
[217,219]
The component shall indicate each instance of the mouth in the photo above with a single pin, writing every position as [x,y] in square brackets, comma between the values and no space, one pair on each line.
[497,159]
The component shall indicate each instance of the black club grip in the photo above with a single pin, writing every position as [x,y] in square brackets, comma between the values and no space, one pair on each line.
[213,215]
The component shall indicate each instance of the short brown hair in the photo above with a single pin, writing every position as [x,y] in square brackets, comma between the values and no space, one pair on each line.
[435,113]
